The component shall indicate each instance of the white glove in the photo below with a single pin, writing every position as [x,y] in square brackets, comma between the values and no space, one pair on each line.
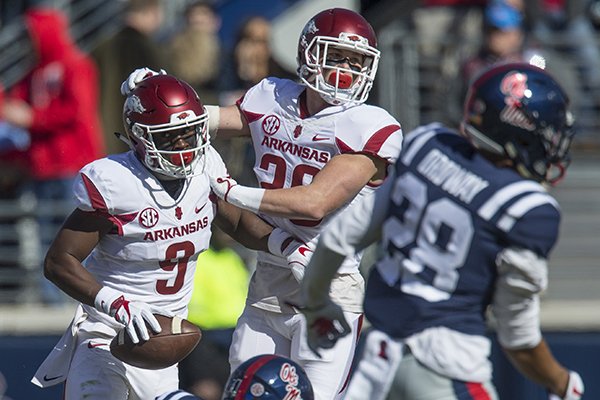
[575,388]
[221,185]
[325,325]
[296,253]
[226,188]
[136,77]
[132,314]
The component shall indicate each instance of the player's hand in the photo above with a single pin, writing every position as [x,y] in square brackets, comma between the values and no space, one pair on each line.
[325,325]
[222,185]
[136,77]
[226,188]
[298,255]
[575,388]
[133,314]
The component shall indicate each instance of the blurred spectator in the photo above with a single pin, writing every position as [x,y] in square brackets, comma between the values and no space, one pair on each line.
[130,48]
[56,103]
[218,299]
[195,51]
[566,24]
[436,21]
[251,60]
[505,40]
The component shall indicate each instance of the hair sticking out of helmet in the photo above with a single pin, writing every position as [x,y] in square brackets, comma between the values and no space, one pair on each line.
[167,126]
[268,377]
[338,56]
[518,112]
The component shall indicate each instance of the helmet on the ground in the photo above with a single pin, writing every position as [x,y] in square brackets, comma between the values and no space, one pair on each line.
[268,377]
[324,43]
[161,114]
[518,112]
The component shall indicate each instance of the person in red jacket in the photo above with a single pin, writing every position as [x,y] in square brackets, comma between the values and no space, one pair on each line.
[56,102]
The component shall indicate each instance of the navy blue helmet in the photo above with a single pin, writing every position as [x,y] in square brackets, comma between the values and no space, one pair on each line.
[517,111]
[268,377]
[178,395]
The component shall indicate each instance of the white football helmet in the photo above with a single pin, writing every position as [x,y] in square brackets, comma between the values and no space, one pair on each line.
[338,31]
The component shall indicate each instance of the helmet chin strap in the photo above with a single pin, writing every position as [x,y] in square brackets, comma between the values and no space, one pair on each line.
[123,138]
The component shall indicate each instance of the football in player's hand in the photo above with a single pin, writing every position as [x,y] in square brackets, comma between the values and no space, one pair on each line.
[176,340]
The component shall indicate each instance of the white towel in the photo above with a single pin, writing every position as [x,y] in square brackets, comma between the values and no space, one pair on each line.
[56,366]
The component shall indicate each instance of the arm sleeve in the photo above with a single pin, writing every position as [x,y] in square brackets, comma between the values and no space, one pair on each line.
[359,224]
[522,275]
[352,230]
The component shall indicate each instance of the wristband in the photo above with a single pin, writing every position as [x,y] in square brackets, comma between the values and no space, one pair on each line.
[105,298]
[248,198]
[214,117]
[277,239]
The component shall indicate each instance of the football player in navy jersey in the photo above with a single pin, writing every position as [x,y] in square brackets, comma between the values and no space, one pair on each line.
[466,224]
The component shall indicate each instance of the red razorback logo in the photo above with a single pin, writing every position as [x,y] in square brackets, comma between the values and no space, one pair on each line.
[303,249]
[183,115]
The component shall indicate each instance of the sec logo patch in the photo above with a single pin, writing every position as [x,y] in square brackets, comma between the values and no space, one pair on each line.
[148,217]
[271,124]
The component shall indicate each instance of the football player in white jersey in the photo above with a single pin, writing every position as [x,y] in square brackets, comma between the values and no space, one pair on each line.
[317,147]
[466,223]
[130,247]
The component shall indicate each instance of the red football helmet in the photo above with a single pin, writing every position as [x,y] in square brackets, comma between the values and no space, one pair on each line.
[167,126]
[338,31]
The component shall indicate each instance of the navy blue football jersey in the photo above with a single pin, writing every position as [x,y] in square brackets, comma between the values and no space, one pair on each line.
[451,213]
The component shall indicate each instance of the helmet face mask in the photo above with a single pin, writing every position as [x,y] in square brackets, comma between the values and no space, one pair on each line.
[329,43]
[519,113]
[167,126]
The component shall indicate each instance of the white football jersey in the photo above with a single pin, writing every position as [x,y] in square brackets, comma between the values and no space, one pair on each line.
[151,255]
[291,147]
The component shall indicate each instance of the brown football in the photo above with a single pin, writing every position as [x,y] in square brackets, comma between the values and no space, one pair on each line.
[176,340]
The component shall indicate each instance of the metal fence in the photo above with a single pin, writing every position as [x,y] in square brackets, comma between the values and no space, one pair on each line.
[416,89]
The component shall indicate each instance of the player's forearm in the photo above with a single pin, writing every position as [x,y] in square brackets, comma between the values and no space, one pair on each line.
[227,122]
[243,226]
[298,202]
[539,365]
[66,272]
